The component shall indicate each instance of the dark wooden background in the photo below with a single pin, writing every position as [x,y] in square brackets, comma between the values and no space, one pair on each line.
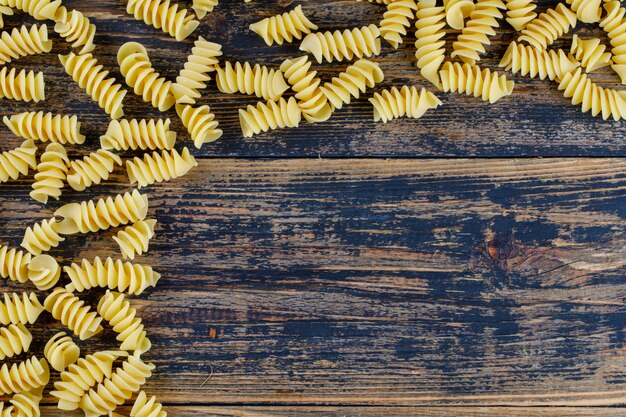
[470,263]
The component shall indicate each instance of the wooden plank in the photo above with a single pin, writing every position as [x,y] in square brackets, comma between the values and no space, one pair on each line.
[535,121]
[377,282]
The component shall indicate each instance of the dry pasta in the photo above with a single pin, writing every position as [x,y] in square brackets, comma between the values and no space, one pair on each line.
[520,13]
[76,28]
[396,20]
[259,80]
[91,77]
[590,53]
[73,313]
[473,81]
[25,404]
[24,376]
[194,75]
[20,309]
[163,15]
[480,26]
[270,115]
[547,27]
[587,11]
[22,86]
[352,82]
[138,134]
[116,309]
[306,85]
[144,407]
[202,7]
[284,27]
[135,239]
[115,275]
[46,127]
[337,45]
[430,45]
[533,62]
[44,272]
[4,11]
[51,172]
[614,24]
[39,9]
[41,237]
[23,42]
[159,167]
[14,340]
[92,169]
[457,11]
[18,161]
[95,215]
[14,264]
[61,351]
[200,124]
[408,101]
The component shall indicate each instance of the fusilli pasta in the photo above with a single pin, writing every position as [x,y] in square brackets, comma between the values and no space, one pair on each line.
[608,102]
[76,28]
[480,26]
[116,309]
[61,351]
[4,11]
[14,340]
[14,264]
[73,313]
[23,42]
[41,237]
[533,62]
[457,11]
[409,102]
[194,75]
[587,11]
[159,167]
[202,7]
[51,172]
[520,13]
[351,83]
[44,272]
[245,79]
[430,45]
[24,376]
[337,45]
[200,124]
[305,84]
[18,161]
[590,53]
[22,86]
[163,15]
[471,80]
[135,239]
[143,407]
[39,9]
[92,169]
[16,309]
[548,26]
[396,20]
[284,27]
[614,24]
[138,134]
[273,115]
[46,127]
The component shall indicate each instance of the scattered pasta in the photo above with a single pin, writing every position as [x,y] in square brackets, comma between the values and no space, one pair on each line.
[92,169]
[61,351]
[72,312]
[135,239]
[116,309]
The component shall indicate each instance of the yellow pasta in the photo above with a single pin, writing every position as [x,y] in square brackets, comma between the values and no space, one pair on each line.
[14,264]
[4,11]
[114,391]
[590,53]
[137,69]
[82,375]
[61,351]
[270,115]
[396,20]
[614,24]
[533,62]
[138,134]
[22,86]
[337,45]
[95,215]
[159,167]
[25,404]
[202,7]
[51,172]
[430,45]
[547,27]
[44,271]
[480,26]
[163,15]
[115,275]
[14,340]
[306,85]
[39,9]
[457,11]
[587,11]
[520,13]
[352,82]
[200,124]
[41,237]
[143,407]
[46,127]
[592,97]
[23,42]
[91,77]
[116,309]
[76,28]
[409,102]
[194,75]
[473,81]
[24,376]
[16,309]
[135,239]
[18,161]
[245,79]
[283,27]
[92,169]
[73,313]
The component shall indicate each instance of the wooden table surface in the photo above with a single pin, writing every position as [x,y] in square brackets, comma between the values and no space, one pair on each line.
[470,263]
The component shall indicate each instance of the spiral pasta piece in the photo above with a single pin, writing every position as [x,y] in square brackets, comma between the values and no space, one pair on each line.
[39,9]
[44,271]
[480,26]
[61,351]
[409,102]
[51,172]
[16,309]
[337,45]
[430,45]
[473,81]
[457,11]
[520,13]
[91,77]
[604,101]
[41,237]
[24,42]
[530,61]
[82,375]
[116,309]
[4,11]
[200,124]
[137,69]
[14,340]
[135,239]
[614,24]
[22,86]
[305,84]
[273,115]
[351,83]
[161,167]
[25,404]
[143,407]
[24,376]
[92,169]
[46,127]
[396,20]
[590,53]
[14,264]
[547,27]
[245,79]
[202,7]
[587,11]
[194,75]
[76,28]
[114,391]
[138,134]
[160,14]
[115,275]
[18,161]
[283,27]
[73,313]
[95,215]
